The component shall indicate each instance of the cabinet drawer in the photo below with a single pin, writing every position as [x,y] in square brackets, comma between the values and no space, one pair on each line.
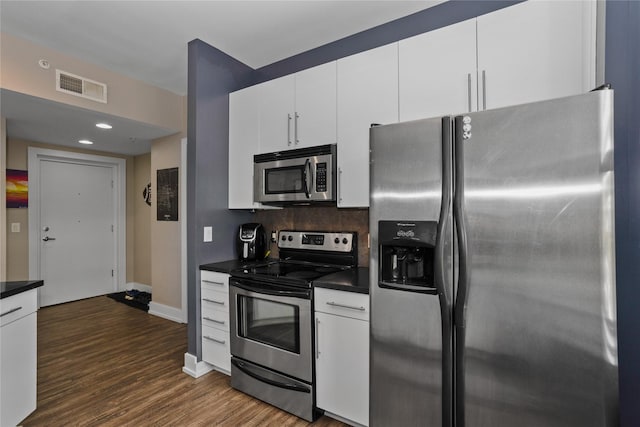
[215,347]
[348,304]
[214,281]
[218,301]
[215,318]
[17,306]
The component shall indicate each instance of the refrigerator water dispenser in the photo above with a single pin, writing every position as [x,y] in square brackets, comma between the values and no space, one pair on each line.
[407,254]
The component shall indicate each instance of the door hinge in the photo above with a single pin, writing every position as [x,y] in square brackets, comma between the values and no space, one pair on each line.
[111,183]
[111,273]
[112,228]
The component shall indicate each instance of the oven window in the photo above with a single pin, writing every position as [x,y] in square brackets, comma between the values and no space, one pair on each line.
[284,180]
[269,322]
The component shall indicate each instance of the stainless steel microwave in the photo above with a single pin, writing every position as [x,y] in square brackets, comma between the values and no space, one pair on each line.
[301,176]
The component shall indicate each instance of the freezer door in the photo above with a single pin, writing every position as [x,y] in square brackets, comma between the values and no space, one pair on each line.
[535,316]
[411,344]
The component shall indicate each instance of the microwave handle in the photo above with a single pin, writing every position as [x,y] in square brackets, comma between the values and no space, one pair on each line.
[307,178]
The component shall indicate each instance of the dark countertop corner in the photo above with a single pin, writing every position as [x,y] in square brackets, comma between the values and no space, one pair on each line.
[8,289]
[352,280]
[230,265]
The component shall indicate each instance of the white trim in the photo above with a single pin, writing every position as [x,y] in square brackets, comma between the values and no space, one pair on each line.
[183,227]
[119,170]
[165,311]
[138,286]
[193,367]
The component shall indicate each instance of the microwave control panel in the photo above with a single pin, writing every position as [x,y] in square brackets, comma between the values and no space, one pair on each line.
[321,177]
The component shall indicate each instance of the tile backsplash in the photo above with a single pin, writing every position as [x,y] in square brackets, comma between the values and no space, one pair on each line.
[318,219]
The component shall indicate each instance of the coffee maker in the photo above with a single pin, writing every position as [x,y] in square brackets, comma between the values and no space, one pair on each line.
[251,243]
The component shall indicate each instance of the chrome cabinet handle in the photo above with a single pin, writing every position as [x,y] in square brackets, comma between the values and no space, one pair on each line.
[288,129]
[213,301]
[340,184]
[317,338]
[214,339]
[469,89]
[295,128]
[213,283]
[13,310]
[220,322]
[351,307]
[47,238]
[484,89]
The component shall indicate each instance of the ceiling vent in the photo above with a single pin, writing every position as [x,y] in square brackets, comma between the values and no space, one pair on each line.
[80,86]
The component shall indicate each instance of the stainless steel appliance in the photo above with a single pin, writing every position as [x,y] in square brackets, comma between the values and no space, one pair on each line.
[511,320]
[251,243]
[301,176]
[271,318]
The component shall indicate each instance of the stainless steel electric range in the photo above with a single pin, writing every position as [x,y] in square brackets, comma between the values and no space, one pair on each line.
[272,326]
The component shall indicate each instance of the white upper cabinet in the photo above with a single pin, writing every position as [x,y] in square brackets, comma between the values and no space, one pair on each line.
[438,72]
[299,110]
[244,142]
[536,50]
[367,94]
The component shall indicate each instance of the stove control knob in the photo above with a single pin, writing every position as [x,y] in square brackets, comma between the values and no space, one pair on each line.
[290,238]
[336,240]
[284,237]
[345,240]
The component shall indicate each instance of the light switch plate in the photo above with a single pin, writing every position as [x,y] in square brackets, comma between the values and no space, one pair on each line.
[15,227]
[208,234]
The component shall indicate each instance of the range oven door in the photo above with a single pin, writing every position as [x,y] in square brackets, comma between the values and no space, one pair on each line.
[271,326]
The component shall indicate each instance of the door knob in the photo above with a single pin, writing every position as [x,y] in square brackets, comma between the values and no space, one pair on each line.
[47,238]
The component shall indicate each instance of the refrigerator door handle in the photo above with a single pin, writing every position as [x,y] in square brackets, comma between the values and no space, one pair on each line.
[460,305]
[440,274]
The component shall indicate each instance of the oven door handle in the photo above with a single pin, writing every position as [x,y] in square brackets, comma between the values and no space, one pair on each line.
[247,370]
[275,292]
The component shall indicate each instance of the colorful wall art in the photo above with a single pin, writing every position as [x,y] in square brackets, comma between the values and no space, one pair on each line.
[17,188]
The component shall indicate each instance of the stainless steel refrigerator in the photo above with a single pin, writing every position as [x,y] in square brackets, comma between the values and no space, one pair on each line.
[492,268]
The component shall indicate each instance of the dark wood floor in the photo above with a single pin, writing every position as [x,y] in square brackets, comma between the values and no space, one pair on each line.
[102,363]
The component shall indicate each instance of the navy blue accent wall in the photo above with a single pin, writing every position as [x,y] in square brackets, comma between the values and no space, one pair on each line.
[420,22]
[622,70]
[212,75]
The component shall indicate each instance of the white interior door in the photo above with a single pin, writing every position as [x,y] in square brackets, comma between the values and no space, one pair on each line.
[77,238]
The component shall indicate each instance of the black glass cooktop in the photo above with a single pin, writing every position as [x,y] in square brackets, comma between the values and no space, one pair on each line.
[298,272]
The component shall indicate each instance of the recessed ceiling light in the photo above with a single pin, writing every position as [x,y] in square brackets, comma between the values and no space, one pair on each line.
[85,141]
[103,125]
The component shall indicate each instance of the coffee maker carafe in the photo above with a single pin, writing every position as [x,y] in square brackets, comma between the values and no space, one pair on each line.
[251,242]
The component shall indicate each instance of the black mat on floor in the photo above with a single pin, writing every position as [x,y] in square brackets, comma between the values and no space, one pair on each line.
[133,298]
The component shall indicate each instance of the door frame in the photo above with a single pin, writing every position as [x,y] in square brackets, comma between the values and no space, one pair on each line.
[119,173]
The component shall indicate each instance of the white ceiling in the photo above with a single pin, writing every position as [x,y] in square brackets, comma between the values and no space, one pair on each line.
[147,40]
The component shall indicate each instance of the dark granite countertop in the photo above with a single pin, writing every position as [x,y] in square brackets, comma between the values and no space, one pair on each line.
[8,289]
[228,266]
[352,280]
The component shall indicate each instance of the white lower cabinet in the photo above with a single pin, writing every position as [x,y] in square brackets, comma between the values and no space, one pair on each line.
[214,311]
[18,357]
[342,354]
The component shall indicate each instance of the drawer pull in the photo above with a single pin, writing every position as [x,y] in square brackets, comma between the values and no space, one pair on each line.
[351,307]
[13,310]
[215,339]
[213,283]
[221,322]
[214,301]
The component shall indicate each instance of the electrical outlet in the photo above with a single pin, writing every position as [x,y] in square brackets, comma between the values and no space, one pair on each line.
[274,236]
[208,234]
[15,227]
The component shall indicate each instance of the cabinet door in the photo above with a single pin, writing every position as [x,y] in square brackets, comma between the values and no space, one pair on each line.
[438,72]
[18,370]
[536,50]
[367,93]
[244,142]
[277,114]
[315,120]
[342,366]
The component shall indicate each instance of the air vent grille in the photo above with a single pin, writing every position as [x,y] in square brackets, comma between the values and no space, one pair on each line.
[80,86]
